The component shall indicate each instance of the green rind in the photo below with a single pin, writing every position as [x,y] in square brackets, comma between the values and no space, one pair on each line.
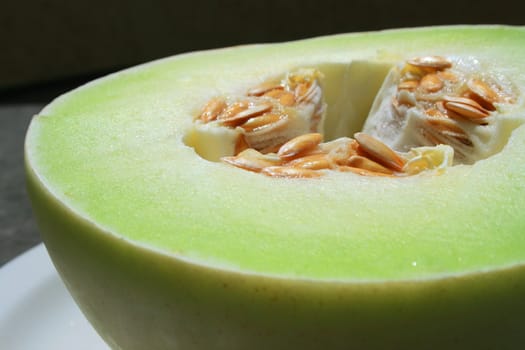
[126,178]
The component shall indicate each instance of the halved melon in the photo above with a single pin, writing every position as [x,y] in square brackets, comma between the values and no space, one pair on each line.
[166,243]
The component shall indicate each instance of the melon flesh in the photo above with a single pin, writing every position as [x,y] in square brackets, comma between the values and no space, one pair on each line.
[163,248]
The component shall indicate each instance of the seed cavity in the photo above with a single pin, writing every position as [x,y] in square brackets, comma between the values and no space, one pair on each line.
[437,100]
[437,107]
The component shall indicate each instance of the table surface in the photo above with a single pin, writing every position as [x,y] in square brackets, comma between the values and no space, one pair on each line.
[18,231]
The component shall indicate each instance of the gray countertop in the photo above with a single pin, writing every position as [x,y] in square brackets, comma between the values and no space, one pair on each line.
[18,230]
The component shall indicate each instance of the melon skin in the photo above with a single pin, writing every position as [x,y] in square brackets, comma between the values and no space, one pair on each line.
[141,296]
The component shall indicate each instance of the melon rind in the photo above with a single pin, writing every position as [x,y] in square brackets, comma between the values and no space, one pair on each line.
[159,246]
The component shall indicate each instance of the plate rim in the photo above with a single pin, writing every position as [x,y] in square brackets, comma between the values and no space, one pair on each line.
[16,289]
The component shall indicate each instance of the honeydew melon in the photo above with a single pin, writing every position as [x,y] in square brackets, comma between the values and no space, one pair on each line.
[165,247]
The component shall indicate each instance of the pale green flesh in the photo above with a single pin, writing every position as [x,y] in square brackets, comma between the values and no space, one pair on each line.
[113,151]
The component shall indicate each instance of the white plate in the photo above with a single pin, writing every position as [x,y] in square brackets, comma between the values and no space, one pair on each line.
[37,312]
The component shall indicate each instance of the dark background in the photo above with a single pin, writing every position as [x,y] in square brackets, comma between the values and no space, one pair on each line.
[49,40]
[50,46]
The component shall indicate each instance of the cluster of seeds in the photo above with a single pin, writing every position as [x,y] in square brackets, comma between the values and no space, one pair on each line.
[306,156]
[278,123]
[269,114]
[452,100]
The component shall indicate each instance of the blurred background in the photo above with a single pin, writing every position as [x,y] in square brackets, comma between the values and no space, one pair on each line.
[50,46]
[47,41]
